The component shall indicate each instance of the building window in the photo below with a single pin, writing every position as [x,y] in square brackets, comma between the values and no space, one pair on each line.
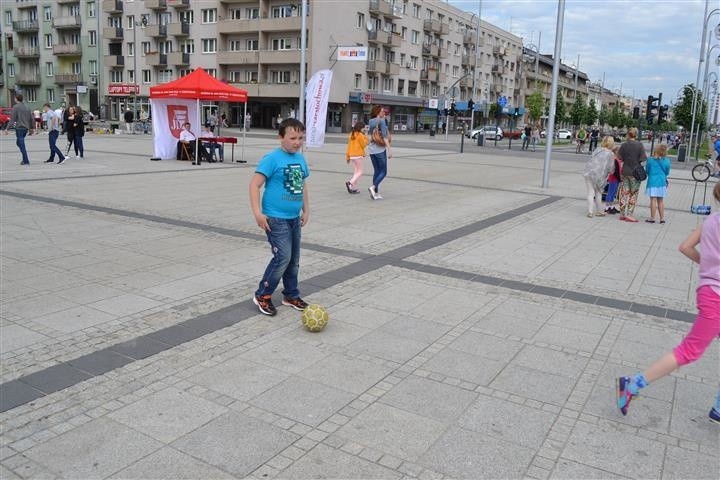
[235,14]
[209,45]
[47,12]
[165,47]
[401,86]
[187,46]
[412,88]
[147,76]
[282,11]
[414,37]
[34,41]
[131,49]
[372,83]
[360,20]
[280,76]
[145,48]
[49,69]
[187,17]
[116,76]
[93,67]
[403,33]
[416,10]
[91,9]
[388,84]
[75,68]
[30,95]
[456,69]
[234,45]
[50,95]
[212,72]
[251,76]
[115,22]
[252,13]
[281,44]
[234,76]
[131,76]
[358,81]
[413,62]
[131,22]
[48,40]
[92,36]
[209,15]
[11,69]
[8,18]
[74,10]
[184,71]
[434,90]
[251,45]
[164,76]
[428,14]
[424,89]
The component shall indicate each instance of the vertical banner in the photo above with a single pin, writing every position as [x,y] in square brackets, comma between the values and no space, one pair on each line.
[316,103]
[168,117]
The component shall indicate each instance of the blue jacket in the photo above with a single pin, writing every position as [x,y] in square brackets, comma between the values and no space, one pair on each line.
[716,145]
[658,170]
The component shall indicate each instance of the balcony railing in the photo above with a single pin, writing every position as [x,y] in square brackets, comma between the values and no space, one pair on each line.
[179,4]
[26,26]
[432,50]
[156,4]
[238,26]
[280,24]
[178,58]
[73,21]
[114,61]
[156,31]
[376,36]
[178,29]
[27,79]
[112,6]
[376,66]
[113,33]
[469,37]
[25,52]
[156,59]
[27,4]
[67,49]
[238,57]
[379,7]
[280,56]
[64,78]
[392,69]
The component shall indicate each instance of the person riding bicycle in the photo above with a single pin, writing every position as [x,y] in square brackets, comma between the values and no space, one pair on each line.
[580,138]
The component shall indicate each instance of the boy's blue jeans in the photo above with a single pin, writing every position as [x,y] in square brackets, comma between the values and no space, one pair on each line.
[284,238]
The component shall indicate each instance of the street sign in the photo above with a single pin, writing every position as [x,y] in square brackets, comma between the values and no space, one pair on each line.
[502,101]
[433,103]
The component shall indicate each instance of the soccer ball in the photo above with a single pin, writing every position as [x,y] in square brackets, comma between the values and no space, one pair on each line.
[315,317]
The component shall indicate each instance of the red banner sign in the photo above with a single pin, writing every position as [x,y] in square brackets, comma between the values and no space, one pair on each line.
[123,89]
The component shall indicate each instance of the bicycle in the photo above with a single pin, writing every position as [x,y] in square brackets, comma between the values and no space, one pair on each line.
[579,146]
[703,170]
[139,127]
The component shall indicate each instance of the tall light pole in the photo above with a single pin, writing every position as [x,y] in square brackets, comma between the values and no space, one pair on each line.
[553,95]
[477,45]
[303,47]
[577,71]
[706,19]
[704,92]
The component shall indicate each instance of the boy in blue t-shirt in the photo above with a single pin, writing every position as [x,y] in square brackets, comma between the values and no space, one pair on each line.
[285,208]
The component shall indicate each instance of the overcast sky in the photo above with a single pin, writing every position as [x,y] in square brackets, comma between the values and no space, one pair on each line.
[647,46]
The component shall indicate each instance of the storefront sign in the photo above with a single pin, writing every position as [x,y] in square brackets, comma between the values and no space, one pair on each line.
[433,103]
[123,89]
[352,54]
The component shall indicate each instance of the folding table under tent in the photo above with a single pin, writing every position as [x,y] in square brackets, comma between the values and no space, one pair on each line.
[172,106]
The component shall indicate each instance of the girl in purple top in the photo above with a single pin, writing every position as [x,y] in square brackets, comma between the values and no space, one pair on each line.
[707,324]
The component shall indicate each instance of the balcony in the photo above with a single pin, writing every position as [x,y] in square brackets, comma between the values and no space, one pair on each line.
[27,79]
[64,2]
[496,87]
[500,51]
[228,57]
[376,66]
[395,40]
[432,26]
[180,4]
[432,50]
[235,2]
[156,4]
[114,61]
[469,37]
[178,29]
[113,33]
[178,58]
[287,24]
[463,82]
[441,77]
[27,4]
[156,59]
[156,31]
[26,52]
[112,6]
[443,53]
[378,37]
[498,70]
[67,49]
[466,60]
[392,69]
[280,56]
[22,26]
[380,7]
[64,78]
[66,23]
[238,26]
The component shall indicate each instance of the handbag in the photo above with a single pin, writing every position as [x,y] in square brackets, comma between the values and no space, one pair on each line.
[639,173]
[377,137]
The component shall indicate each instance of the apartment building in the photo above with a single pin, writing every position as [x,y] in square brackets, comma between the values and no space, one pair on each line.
[50,52]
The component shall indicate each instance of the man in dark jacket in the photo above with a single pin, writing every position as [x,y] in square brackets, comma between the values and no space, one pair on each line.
[129,118]
[24,123]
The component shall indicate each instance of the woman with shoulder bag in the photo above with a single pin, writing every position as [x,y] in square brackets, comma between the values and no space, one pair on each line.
[597,169]
[379,149]
[632,153]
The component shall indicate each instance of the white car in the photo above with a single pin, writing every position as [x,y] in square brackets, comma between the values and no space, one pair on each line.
[561,134]
[490,132]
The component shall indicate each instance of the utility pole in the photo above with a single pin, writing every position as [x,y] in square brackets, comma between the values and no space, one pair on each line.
[553,97]
[477,45]
[303,48]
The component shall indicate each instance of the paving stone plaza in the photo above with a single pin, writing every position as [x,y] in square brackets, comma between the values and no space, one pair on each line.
[477,322]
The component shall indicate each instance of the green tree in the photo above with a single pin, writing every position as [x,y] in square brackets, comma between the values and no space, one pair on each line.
[492,110]
[577,112]
[560,109]
[615,118]
[682,111]
[603,116]
[591,113]
[535,104]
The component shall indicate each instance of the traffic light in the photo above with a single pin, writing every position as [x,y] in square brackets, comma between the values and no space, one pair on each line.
[662,114]
[650,109]
[452,109]
[471,104]
[517,111]
[636,113]
[446,111]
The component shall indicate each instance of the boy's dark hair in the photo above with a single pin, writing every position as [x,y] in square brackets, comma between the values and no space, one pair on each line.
[19,97]
[293,123]
[47,105]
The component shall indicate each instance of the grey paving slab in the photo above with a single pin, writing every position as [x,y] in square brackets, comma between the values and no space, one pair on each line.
[569,470]
[168,414]
[550,361]
[126,304]
[16,336]
[90,452]
[239,378]
[210,443]
[583,322]
[336,332]
[428,398]
[461,453]
[510,325]
[683,463]
[16,393]
[693,424]
[55,378]
[416,328]
[566,337]
[507,421]
[285,355]
[100,362]
[139,347]
[363,315]
[486,346]
[534,384]
[394,431]
[327,463]
[312,403]
[345,373]
[38,306]
[390,347]
[464,366]
[622,453]
[73,319]
[169,464]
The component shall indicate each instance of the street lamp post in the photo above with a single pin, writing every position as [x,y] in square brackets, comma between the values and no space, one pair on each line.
[705,92]
[706,19]
[477,45]
[135,75]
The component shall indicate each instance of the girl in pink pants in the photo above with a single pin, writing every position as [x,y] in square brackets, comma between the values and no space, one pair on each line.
[707,324]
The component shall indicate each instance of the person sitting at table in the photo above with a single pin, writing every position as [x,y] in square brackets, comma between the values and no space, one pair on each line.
[187,137]
[211,146]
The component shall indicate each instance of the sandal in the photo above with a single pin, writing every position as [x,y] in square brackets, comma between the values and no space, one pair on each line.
[662,221]
[589,215]
[651,221]
[600,214]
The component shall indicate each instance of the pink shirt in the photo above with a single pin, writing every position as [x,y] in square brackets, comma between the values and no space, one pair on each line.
[710,253]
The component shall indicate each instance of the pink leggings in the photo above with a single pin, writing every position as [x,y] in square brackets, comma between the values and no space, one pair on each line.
[357,163]
[704,330]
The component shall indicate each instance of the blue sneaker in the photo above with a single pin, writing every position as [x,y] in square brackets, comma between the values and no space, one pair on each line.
[714,415]
[624,396]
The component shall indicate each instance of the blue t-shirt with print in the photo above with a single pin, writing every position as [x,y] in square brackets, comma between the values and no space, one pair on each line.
[285,175]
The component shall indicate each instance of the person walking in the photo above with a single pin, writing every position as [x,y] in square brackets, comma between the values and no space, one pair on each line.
[355,153]
[144,120]
[129,118]
[527,133]
[706,327]
[24,123]
[632,153]
[78,130]
[596,172]
[54,127]
[283,210]
[379,149]
[594,137]
[658,170]
[69,130]
[535,137]
[248,121]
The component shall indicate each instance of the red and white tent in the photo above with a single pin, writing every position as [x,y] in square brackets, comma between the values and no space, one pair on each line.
[172,105]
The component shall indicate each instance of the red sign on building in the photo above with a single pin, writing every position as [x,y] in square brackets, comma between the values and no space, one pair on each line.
[123,89]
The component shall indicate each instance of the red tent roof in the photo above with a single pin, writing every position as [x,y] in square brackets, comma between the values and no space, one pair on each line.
[199,84]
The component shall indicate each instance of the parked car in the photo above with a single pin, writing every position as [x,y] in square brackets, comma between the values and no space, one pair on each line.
[561,134]
[5,116]
[490,131]
[512,134]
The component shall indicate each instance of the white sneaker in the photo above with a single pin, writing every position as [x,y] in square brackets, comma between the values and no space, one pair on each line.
[373,195]
[378,196]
